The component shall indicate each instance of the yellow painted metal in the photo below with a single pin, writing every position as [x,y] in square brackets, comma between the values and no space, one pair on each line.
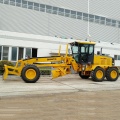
[99,74]
[61,65]
[59,50]
[5,73]
[85,42]
[30,74]
[102,60]
[66,49]
[113,74]
[55,73]
[60,71]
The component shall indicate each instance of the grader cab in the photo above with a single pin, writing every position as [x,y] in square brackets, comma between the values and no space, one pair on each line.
[82,60]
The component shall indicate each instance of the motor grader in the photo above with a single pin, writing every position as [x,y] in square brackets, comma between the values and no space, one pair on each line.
[82,60]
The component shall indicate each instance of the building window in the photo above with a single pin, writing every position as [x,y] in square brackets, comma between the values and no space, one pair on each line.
[28,52]
[14,54]
[118,57]
[61,11]
[48,9]
[36,6]
[108,22]
[67,13]
[6,1]
[30,5]
[85,16]
[79,15]
[102,20]
[0,52]
[91,18]
[54,10]
[97,19]
[18,3]
[42,7]
[118,24]
[1,1]
[24,4]
[115,57]
[12,2]
[20,53]
[73,14]
[5,53]
[114,23]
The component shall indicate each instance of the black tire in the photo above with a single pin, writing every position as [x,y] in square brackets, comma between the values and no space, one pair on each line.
[112,74]
[98,74]
[30,74]
[83,76]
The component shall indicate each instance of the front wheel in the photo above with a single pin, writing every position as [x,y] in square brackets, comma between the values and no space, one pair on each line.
[112,74]
[83,76]
[30,74]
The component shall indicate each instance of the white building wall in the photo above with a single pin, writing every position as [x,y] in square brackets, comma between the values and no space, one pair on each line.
[107,8]
[24,27]
[23,20]
[47,45]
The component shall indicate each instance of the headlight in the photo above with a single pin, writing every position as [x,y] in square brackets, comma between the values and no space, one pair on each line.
[83,67]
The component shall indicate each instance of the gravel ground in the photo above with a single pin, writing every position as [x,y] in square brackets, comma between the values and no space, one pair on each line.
[99,105]
[66,98]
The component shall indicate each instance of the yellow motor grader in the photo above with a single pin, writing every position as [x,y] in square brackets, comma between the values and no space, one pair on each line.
[82,60]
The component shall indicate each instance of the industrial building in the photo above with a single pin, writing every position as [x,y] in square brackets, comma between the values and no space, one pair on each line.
[37,27]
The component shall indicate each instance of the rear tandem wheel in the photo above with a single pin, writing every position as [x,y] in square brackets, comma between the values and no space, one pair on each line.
[98,74]
[112,74]
[30,74]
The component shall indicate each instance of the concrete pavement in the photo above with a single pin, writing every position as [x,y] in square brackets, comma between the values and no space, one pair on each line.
[15,86]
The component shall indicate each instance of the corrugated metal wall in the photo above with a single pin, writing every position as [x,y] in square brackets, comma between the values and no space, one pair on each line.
[29,21]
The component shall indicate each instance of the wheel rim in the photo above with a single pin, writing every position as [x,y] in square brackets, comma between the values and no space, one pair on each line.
[30,74]
[99,74]
[113,74]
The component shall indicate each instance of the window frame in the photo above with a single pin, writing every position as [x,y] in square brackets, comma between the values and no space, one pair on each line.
[49,9]
[91,18]
[114,23]
[26,54]
[96,19]
[12,2]
[85,16]
[60,12]
[18,4]
[72,15]
[79,16]
[102,20]
[25,4]
[30,5]
[42,9]
[67,13]
[6,2]
[1,1]
[54,10]
[13,53]
[7,56]
[108,23]
[35,7]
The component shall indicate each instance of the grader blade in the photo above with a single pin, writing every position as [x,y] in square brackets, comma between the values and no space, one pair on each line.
[5,75]
[55,73]
[60,72]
